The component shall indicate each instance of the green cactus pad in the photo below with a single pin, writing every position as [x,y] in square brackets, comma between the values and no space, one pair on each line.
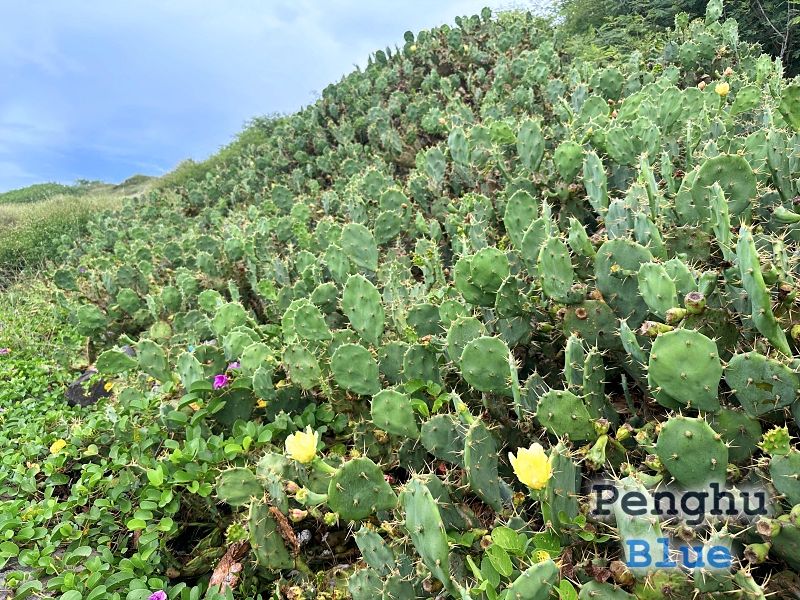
[462,331]
[238,486]
[574,356]
[462,275]
[359,245]
[757,292]
[266,540]
[426,529]
[536,582]
[595,182]
[444,436]
[359,490]
[309,324]
[740,432]
[556,272]
[595,590]
[685,365]
[480,462]
[657,289]
[562,413]
[361,303]
[488,269]
[616,268]
[302,366]
[390,361]
[355,369]
[693,453]
[568,158]
[153,360]
[485,365]
[421,363]
[530,144]
[521,210]
[375,551]
[734,175]
[784,470]
[424,319]
[761,384]
[644,527]
[595,322]
[392,412]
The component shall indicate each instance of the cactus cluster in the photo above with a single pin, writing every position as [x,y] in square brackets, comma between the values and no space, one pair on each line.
[475,244]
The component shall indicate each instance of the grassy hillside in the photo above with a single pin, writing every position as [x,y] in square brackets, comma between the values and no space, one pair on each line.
[381,348]
[41,222]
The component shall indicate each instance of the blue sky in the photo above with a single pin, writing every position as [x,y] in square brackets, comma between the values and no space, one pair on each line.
[104,90]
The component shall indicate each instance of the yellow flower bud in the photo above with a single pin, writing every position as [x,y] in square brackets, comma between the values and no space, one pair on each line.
[302,445]
[532,466]
[540,556]
[57,446]
[723,88]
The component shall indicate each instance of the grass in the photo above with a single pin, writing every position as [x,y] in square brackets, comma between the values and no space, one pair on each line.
[39,222]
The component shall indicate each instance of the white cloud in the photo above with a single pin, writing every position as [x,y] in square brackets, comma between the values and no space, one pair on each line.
[152,82]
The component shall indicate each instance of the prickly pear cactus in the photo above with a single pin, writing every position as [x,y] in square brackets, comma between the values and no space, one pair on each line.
[480,245]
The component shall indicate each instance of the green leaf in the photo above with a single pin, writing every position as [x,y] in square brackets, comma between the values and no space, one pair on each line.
[500,560]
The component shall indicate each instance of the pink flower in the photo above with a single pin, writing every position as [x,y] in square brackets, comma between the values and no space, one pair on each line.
[220,381]
[4,351]
[234,365]
[159,595]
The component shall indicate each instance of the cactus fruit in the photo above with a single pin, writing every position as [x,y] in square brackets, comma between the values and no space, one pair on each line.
[693,453]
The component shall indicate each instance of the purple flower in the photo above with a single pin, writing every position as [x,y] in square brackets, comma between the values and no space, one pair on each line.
[234,365]
[4,351]
[159,595]
[220,381]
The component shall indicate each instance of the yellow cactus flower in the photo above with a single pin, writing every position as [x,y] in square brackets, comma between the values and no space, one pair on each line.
[532,466]
[261,403]
[109,386]
[723,89]
[57,446]
[302,445]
